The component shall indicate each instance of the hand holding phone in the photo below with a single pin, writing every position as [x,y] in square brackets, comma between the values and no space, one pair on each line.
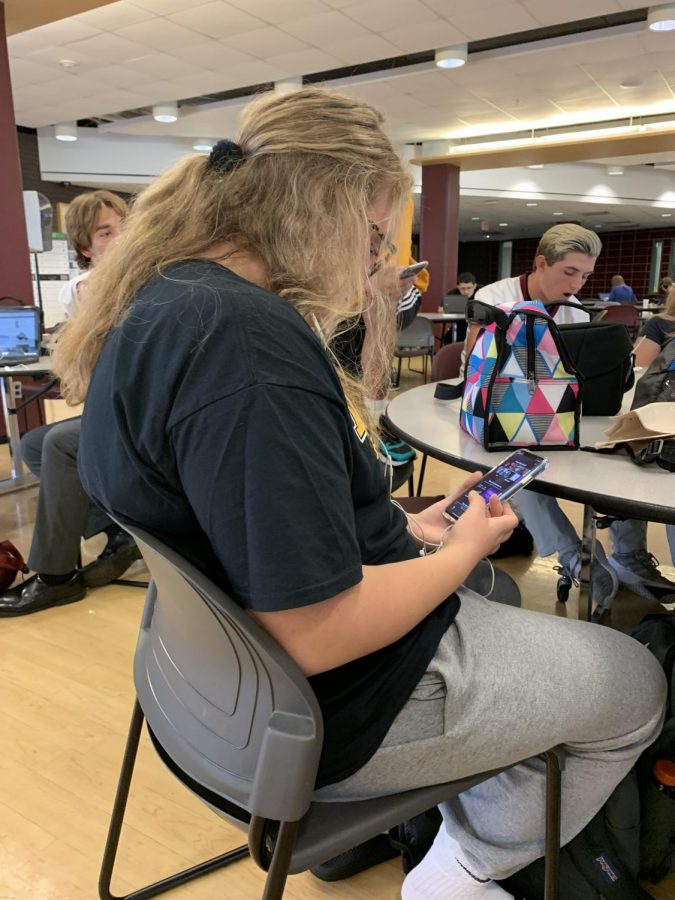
[509,476]
[413,269]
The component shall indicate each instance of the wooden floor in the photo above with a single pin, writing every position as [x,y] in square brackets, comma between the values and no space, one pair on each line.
[65,702]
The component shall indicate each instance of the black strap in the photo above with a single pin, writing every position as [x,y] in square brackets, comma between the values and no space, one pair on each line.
[446,391]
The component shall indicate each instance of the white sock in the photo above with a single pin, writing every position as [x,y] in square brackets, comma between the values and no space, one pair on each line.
[443,875]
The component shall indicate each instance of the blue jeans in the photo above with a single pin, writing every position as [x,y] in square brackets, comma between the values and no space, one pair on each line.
[552,531]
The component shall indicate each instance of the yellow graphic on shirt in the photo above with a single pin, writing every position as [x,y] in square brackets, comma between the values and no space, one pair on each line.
[360,429]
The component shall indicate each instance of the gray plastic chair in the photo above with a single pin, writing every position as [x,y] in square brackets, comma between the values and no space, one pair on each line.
[236,720]
[415,340]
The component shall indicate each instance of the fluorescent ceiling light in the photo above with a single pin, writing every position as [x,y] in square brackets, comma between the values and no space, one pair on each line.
[452,57]
[530,204]
[66,131]
[558,139]
[503,224]
[615,170]
[203,146]
[288,85]
[661,18]
[475,218]
[666,215]
[536,166]
[165,112]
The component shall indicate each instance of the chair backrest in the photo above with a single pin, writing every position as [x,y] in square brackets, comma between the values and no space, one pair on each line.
[625,314]
[224,701]
[419,333]
[454,303]
[447,362]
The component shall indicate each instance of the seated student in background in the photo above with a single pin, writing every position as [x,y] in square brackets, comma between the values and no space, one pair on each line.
[665,285]
[238,440]
[621,292]
[64,513]
[564,260]
[655,333]
[466,287]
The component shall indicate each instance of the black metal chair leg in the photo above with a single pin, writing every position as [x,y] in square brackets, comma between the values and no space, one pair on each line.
[423,467]
[115,829]
[281,858]
[553,810]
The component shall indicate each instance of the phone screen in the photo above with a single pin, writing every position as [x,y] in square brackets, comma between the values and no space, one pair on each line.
[413,269]
[504,480]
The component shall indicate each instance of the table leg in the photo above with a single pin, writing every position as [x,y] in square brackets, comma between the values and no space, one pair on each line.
[19,478]
[588,539]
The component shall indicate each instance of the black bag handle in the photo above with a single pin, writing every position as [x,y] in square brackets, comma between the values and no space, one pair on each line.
[445,391]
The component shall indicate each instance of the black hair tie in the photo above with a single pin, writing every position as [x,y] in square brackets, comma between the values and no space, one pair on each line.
[225,156]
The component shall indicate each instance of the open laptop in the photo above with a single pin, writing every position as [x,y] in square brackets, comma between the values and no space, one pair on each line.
[19,335]
[454,303]
[603,295]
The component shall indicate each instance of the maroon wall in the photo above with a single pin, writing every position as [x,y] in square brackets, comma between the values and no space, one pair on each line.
[15,277]
[626,253]
[439,234]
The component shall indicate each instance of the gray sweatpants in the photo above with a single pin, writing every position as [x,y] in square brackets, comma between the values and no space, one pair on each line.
[505,685]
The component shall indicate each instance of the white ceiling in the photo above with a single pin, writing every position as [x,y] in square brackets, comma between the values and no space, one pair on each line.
[133,53]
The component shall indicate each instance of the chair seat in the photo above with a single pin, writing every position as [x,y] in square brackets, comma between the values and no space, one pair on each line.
[330,828]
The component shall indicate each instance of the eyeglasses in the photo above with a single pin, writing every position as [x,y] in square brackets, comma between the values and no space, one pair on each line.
[381,250]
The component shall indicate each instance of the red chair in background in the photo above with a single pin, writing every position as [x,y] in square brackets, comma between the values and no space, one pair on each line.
[626,314]
[445,364]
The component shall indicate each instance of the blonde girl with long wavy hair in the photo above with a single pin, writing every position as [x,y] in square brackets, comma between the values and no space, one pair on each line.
[297,211]
[215,419]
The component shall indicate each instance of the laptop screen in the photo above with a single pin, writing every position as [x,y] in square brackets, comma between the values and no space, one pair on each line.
[603,296]
[19,335]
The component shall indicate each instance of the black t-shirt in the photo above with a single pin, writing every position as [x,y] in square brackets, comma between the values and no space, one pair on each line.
[216,421]
[658,329]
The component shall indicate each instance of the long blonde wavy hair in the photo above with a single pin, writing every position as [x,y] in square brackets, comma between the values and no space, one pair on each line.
[314,163]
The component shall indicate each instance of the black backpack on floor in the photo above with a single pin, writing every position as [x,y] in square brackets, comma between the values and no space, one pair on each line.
[657,830]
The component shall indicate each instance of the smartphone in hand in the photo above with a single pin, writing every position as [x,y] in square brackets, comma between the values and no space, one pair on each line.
[512,474]
[413,269]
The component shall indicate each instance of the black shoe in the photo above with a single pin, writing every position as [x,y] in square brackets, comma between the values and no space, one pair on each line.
[120,552]
[35,594]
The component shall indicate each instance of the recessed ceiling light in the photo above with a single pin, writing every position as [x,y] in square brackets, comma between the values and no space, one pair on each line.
[530,204]
[66,131]
[666,215]
[558,214]
[475,218]
[165,112]
[661,18]
[452,57]
[503,224]
[67,63]
[615,170]
[536,166]
[632,81]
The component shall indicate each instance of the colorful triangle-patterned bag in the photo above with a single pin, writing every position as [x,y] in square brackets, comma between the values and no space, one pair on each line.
[521,387]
